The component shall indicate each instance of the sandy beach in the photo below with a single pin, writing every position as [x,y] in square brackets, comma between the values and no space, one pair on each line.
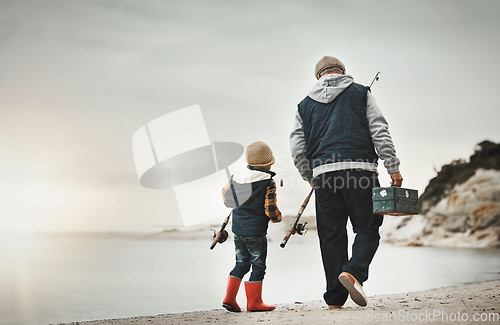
[467,304]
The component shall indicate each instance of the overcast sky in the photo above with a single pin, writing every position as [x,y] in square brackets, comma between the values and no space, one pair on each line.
[78,78]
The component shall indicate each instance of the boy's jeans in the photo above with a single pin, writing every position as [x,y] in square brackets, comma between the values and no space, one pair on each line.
[250,251]
[339,195]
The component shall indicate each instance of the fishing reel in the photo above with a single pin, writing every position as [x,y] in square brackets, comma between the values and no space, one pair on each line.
[223,236]
[300,229]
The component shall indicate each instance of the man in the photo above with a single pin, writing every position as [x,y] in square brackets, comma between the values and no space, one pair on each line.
[338,136]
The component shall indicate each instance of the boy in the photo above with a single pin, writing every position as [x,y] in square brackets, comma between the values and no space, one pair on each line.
[252,194]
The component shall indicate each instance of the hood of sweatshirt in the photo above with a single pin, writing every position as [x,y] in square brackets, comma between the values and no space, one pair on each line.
[251,175]
[329,87]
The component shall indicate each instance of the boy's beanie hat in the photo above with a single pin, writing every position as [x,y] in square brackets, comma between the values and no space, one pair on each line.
[259,154]
[328,62]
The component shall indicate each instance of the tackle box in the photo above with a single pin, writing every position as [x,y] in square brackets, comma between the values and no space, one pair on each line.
[395,201]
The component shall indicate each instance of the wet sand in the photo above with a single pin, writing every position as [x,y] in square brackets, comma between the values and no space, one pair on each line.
[474,303]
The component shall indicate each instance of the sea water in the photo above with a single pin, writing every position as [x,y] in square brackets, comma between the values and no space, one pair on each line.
[54,279]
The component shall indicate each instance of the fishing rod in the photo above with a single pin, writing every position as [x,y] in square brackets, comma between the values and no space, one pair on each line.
[376,78]
[296,227]
[222,234]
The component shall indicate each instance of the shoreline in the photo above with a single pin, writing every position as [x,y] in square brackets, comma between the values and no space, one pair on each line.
[469,303]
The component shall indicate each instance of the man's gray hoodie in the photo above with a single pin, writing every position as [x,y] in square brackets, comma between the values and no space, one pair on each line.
[325,91]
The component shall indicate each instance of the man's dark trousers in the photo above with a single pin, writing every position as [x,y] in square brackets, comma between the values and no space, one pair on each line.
[339,195]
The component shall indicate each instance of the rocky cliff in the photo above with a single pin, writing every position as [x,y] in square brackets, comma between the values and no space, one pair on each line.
[459,208]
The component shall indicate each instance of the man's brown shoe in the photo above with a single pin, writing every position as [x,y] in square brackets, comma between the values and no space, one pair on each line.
[354,287]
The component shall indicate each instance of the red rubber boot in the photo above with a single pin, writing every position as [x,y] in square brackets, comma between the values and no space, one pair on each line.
[229,302]
[254,297]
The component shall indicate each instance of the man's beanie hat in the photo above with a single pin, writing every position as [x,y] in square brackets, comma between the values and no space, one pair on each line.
[259,154]
[328,62]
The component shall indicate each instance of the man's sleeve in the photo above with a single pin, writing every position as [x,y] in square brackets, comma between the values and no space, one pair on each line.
[298,149]
[379,131]
[270,204]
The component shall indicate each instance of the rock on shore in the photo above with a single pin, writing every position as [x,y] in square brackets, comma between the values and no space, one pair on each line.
[459,208]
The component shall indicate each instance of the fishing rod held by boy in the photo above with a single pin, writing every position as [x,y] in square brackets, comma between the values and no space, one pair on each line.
[222,235]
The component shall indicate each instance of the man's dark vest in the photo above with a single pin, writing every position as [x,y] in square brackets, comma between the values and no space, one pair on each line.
[249,218]
[338,131]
